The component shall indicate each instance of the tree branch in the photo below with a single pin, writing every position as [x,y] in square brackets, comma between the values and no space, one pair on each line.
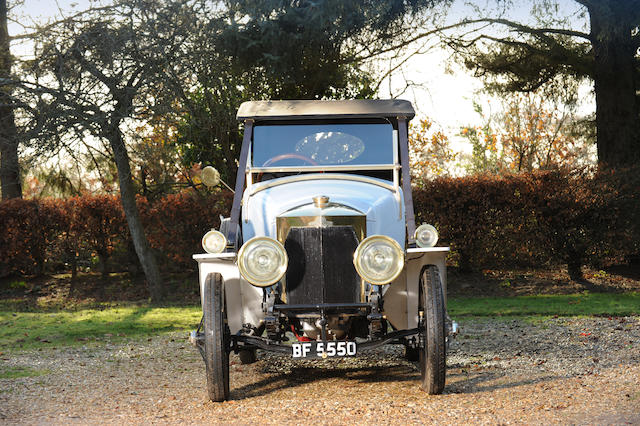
[528,29]
[395,47]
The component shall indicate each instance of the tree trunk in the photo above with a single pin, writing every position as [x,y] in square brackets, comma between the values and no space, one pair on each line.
[617,119]
[9,167]
[574,268]
[128,198]
[74,267]
[104,266]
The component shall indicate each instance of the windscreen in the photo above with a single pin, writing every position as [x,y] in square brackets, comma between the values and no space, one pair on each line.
[300,145]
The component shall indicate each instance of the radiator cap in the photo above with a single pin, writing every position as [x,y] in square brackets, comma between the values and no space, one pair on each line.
[321,201]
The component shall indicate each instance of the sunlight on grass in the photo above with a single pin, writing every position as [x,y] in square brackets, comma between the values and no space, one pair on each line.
[25,330]
[561,305]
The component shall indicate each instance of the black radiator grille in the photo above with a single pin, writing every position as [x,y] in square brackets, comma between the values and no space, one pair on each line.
[321,265]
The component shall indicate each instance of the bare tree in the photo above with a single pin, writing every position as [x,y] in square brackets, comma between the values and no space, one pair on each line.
[102,71]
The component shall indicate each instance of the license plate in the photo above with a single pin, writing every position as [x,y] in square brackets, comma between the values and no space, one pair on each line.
[324,349]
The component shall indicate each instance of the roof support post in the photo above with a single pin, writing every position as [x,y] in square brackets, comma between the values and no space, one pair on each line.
[232,238]
[403,139]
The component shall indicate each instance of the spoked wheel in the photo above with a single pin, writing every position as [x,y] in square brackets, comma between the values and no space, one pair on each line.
[216,339]
[432,347]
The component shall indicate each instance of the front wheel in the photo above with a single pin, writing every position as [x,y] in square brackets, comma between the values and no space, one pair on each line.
[432,347]
[216,339]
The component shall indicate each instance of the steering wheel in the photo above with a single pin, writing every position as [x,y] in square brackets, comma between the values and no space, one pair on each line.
[282,157]
[287,156]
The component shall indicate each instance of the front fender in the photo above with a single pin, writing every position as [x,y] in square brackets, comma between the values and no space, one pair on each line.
[401,296]
[244,301]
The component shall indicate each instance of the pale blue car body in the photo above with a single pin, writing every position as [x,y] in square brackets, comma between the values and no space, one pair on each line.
[380,204]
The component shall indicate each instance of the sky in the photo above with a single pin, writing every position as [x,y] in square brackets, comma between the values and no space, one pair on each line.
[443,90]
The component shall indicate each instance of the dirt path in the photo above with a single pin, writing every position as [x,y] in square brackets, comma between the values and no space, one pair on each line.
[557,371]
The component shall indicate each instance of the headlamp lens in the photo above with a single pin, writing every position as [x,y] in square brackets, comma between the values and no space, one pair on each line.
[379,259]
[262,261]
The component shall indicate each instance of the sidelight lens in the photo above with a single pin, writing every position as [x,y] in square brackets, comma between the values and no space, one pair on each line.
[262,261]
[379,259]
[214,242]
[426,236]
[210,176]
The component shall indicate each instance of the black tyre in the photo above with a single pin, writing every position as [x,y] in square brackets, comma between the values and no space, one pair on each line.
[247,356]
[216,339]
[432,350]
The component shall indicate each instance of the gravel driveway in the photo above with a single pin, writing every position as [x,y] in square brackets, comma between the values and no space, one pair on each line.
[563,370]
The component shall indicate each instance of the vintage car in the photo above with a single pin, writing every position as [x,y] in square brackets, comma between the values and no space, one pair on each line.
[320,256]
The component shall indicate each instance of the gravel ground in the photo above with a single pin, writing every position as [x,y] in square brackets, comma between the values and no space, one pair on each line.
[563,370]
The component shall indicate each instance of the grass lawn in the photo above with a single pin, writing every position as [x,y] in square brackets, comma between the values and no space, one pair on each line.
[584,304]
[27,330]
[95,325]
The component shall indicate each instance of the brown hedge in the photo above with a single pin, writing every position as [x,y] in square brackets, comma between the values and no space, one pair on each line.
[63,234]
[28,228]
[524,220]
[176,223]
[536,219]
